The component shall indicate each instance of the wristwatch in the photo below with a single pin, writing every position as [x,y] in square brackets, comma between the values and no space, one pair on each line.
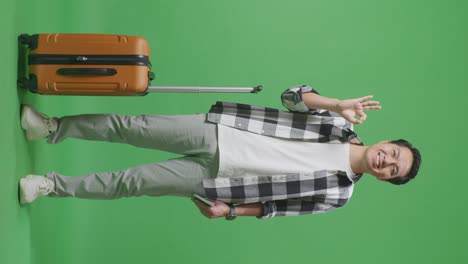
[232,213]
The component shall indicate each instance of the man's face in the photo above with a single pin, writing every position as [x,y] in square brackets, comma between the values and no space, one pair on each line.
[387,161]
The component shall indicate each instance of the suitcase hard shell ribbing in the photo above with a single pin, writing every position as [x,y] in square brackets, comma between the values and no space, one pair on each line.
[87,64]
[96,64]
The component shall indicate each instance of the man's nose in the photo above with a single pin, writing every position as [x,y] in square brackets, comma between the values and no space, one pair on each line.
[389,160]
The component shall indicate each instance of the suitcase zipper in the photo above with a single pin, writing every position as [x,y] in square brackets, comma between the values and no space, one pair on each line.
[140,60]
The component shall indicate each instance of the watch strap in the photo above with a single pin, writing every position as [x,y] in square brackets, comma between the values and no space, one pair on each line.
[232,213]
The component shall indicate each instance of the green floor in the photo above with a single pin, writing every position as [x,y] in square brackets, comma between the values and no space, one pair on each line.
[411,55]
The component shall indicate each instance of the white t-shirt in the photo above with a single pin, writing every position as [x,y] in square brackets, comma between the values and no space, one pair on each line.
[243,153]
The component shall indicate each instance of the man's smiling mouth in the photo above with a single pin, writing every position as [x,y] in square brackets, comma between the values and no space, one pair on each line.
[378,160]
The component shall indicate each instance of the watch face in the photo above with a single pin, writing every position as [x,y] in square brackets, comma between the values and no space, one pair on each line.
[232,214]
[230,217]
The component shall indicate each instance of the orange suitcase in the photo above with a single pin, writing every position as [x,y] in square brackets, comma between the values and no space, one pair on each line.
[95,64]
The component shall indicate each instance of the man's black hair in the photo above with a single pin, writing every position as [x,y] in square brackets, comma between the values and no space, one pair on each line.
[414,167]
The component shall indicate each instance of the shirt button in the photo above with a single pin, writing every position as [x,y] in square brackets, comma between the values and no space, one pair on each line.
[239,124]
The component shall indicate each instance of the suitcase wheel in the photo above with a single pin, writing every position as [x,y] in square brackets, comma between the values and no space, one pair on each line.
[30,84]
[22,83]
[24,39]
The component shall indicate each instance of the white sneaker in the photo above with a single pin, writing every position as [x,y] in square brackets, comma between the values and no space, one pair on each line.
[36,125]
[34,186]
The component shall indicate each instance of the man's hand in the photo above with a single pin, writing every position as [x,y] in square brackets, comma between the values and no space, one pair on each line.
[348,109]
[352,108]
[220,209]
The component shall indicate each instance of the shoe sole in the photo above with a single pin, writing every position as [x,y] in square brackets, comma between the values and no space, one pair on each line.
[25,110]
[21,193]
[24,122]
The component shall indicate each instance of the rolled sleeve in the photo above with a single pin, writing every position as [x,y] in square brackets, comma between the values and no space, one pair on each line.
[292,98]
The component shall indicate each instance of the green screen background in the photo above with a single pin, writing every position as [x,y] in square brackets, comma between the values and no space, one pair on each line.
[410,54]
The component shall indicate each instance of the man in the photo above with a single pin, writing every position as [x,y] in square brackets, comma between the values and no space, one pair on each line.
[265,161]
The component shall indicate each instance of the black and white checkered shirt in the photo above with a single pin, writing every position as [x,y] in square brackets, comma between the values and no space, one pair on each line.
[292,193]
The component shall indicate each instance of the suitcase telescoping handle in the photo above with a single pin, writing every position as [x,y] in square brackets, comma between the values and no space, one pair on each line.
[87,71]
[200,89]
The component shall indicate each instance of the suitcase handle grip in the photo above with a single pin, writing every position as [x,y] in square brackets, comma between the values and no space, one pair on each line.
[87,71]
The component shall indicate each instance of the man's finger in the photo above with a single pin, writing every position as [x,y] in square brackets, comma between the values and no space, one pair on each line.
[357,122]
[362,116]
[354,120]
[374,107]
[369,103]
[365,98]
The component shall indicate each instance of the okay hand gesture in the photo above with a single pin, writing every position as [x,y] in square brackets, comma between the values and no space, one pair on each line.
[352,108]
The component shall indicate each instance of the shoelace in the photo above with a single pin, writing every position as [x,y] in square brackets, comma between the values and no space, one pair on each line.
[48,123]
[46,187]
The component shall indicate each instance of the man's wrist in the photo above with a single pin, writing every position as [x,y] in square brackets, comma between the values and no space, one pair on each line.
[232,212]
[335,105]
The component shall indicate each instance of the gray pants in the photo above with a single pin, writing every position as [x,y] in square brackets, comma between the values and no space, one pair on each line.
[189,135]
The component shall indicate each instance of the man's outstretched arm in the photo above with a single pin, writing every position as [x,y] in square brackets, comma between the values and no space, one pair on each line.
[348,109]
[305,98]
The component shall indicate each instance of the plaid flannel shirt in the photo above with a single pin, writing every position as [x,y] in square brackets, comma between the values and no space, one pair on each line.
[291,193]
